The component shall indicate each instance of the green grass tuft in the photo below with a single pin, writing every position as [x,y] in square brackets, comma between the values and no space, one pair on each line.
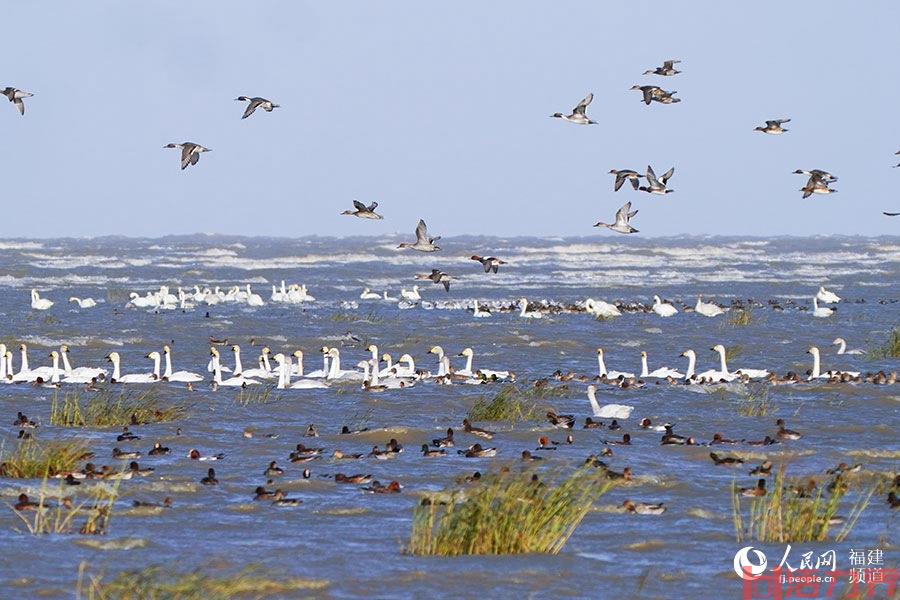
[514,403]
[890,349]
[105,409]
[740,318]
[35,460]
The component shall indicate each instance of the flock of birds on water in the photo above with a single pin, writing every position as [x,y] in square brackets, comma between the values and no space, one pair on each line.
[379,372]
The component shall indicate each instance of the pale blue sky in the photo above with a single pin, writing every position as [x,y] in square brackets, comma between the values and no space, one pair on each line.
[440,111]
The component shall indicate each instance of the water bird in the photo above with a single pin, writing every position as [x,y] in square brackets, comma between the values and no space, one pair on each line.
[625,441]
[666,70]
[38,303]
[821,311]
[621,224]
[601,364]
[256,102]
[490,263]
[437,277]
[657,186]
[124,454]
[817,174]
[641,508]
[648,424]
[816,186]
[774,127]
[24,503]
[428,452]
[527,456]
[273,470]
[660,373]
[578,115]
[377,487]
[827,296]
[786,434]
[190,152]
[16,96]
[127,435]
[423,243]
[194,454]
[756,491]
[358,479]
[663,309]
[477,431]
[84,302]
[158,450]
[653,93]
[524,313]
[764,469]
[476,451]
[623,175]
[210,478]
[561,421]
[707,309]
[728,461]
[446,441]
[842,347]
[891,214]
[363,212]
[607,411]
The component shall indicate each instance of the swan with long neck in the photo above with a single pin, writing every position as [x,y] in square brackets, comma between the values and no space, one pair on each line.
[80,374]
[609,374]
[335,372]
[38,303]
[83,302]
[660,373]
[821,311]
[599,308]
[707,309]
[117,376]
[323,372]
[751,373]
[439,352]
[607,411]
[177,376]
[663,309]
[841,343]
[523,312]
[406,367]
[304,383]
[692,362]
[235,381]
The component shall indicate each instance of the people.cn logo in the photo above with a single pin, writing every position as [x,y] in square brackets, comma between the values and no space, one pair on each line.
[745,567]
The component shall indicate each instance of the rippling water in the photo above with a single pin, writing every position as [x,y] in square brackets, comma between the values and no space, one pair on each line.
[355,540]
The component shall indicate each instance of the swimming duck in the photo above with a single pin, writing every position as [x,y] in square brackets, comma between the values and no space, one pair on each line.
[124,455]
[23,421]
[527,456]
[718,438]
[377,487]
[490,263]
[194,454]
[190,152]
[166,503]
[210,478]
[640,508]
[363,212]
[126,435]
[430,453]
[589,423]
[614,425]
[625,441]
[544,443]
[476,451]
[423,243]
[347,431]
[766,441]
[262,493]
[622,221]
[380,454]
[666,70]
[670,438]
[657,186]
[71,480]
[560,421]
[843,467]
[625,475]
[892,500]
[477,431]
[446,441]
[256,102]
[765,469]
[786,434]
[757,491]
[338,455]
[24,503]
[623,175]
[728,461]
[647,424]
[357,479]
[773,127]
[302,450]
[578,115]
[273,470]
[136,469]
[279,498]
[158,450]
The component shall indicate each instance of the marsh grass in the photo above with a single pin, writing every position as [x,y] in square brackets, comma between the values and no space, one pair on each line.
[755,402]
[890,349]
[740,318]
[257,394]
[781,516]
[732,352]
[159,583]
[106,409]
[506,514]
[514,403]
[348,317]
[33,459]
[59,518]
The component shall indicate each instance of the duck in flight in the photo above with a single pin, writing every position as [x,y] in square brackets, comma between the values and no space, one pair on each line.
[623,216]
[578,117]
[437,276]
[890,214]
[653,93]
[423,243]
[489,263]
[817,174]
[774,127]
[15,96]
[190,153]
[626,174]
[667,69]
[657,186]
[256,102]
[363,212]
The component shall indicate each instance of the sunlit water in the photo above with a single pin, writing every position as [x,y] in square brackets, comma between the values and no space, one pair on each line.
[355,540]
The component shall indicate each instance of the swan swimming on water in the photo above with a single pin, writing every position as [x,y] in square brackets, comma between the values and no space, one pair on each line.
[83,303]
[38,303]
[607,411]
[821,311]
[478,313]
[599,308]
[610,374]
[817,370]
[751,373]
[369,295]
[663,309]
[842,347]
[117,377]
[523,312]
[828,297]
[660,373]
[708,309]
[79,374]
[177,376]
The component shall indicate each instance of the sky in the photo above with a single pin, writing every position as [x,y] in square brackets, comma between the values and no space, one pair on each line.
[440,110]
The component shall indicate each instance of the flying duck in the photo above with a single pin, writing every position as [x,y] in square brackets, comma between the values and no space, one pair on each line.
[15,96]
[489,263]
[256,102]
[423,242]
[652,93]
[437,276]
[578,117]
[773,127]
[817,174]
[816,185]
[190,153]
[622,174]
[657,186]
[667,69]
[623,216]
[363,212]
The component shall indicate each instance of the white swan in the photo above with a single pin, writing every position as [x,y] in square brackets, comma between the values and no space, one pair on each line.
[80,374]
[825,296]
[610,374]
[842,347]
[323,372]
[387,298]
[406,367]
[177,376]
[26,374]
[607,411]
[254,299]
[38,303]
[3,377]
[707,309]
[411,295]
[660,373]
[599,308]
[335,371]
[284,375]
[751,373]
[468,372]
[442,367]
[369,295]
[236,381]
[139,301]
[821,311]
[663,309]
[817,370]
[83,302]
[523,312]
[117,377]
[480,314]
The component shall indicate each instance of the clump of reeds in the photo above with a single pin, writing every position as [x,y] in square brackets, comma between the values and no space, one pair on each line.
[158,583]
[740,318]
[755,402]
[505,514]
[33,459]
[890,349]
[58,518]
[106,409]
[784,515]
[732,352]
[512,403]
[257,394]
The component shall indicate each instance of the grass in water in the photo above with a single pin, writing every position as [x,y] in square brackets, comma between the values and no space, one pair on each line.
[740,318]
[890,349]
[35,460]
[48,517]
[755,402]
[257,394]
[514,403]
[732,352]
[159,583]
[507,514]
[785,516]
[106,409]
